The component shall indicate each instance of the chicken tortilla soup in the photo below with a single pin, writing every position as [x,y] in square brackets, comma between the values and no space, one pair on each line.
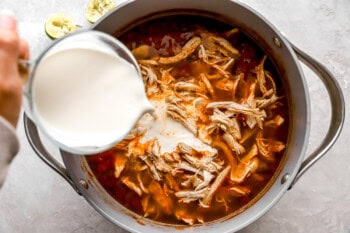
[221,126]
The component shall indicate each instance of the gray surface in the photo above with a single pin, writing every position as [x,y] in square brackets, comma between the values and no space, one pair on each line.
[35,199]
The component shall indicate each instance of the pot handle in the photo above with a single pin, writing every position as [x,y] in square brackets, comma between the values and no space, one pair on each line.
[338,111]
[38,147]
[336,124]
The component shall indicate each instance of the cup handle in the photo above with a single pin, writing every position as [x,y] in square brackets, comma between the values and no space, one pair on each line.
[337,114]
[38,147]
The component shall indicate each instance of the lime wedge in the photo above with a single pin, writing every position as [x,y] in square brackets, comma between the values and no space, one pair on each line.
[97,8]
[58,25]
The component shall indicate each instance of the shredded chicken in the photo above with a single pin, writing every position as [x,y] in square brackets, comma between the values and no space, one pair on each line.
[187,50]
[247,165]
[235,108]
[268,147]
[212,189]
[231,125]
[131,185]
[119,164]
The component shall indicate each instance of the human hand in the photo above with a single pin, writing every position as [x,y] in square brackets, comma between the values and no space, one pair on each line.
[12,48]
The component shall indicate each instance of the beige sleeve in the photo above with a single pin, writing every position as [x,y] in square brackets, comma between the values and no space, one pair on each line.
[9,146]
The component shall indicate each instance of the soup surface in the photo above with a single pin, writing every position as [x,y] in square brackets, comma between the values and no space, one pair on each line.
[210,81]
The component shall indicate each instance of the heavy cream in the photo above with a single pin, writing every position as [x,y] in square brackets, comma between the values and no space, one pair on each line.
[168,132]
[85,98]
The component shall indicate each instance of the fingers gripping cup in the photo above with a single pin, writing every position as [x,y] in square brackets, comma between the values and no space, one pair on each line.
[85,92]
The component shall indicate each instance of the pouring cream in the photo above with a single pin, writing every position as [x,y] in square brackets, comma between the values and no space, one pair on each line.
[86,99]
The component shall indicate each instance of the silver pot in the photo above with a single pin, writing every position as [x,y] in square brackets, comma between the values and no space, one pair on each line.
[76,171]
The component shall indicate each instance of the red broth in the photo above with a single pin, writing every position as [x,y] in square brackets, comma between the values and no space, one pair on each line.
[137,188]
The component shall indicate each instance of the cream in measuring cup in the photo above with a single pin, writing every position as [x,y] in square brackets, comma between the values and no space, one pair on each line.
[84,96]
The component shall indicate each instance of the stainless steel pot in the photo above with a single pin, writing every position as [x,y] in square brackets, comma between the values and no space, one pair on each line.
[77,173]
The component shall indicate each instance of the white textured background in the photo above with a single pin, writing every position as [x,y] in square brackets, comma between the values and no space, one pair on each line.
[35,199]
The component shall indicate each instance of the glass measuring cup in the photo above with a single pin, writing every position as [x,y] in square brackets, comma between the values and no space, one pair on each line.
[92,41]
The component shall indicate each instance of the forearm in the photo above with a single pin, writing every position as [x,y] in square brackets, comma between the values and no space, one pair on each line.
[9,146]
